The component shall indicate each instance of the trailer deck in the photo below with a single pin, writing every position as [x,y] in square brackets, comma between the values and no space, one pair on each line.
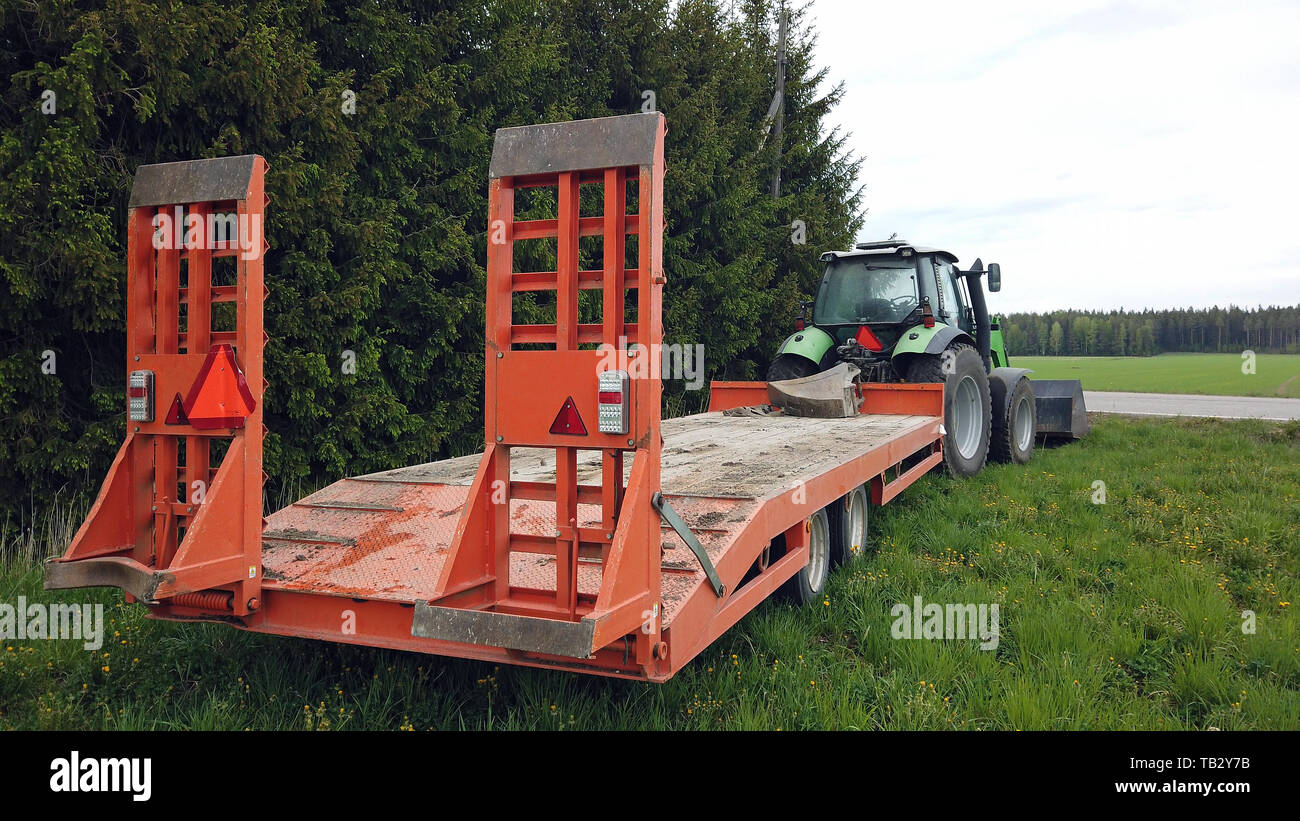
[385,536]
[589,535]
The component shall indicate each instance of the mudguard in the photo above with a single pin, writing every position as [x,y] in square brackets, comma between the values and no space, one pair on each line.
[810,343]
[921,339]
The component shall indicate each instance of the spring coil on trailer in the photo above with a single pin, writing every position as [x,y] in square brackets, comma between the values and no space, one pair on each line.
[204,600]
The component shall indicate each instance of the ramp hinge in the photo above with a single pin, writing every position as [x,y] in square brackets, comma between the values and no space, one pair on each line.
[679,525]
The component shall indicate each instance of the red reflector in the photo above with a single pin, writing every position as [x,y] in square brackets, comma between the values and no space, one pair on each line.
[928,321]
[137,393]
[798,324]
[568,420]
[868,340]
[220,397]
[176,416]
[610,398]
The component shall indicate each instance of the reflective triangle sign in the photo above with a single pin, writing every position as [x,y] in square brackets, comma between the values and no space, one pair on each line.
[176,416]
[568,420]
[220,397]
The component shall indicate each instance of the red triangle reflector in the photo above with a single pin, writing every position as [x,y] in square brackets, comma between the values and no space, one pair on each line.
[220,397]
[868,340]
[176,416]
[568,420]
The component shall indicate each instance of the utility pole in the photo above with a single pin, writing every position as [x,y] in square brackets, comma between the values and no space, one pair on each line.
[776,111]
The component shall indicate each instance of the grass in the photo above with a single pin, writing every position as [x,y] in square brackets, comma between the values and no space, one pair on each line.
[1205,373]
[1126,614]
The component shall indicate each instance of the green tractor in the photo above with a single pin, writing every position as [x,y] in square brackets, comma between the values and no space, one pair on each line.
[900,312]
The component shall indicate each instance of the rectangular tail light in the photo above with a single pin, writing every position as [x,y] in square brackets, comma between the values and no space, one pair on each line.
[613,401]
[139,396]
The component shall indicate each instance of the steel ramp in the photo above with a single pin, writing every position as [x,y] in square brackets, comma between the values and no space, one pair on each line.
[179,516]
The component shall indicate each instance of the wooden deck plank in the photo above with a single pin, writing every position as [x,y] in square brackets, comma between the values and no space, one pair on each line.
[706,454]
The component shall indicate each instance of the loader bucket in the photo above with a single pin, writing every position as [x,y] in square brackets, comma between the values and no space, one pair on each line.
[827,395]
[1059,403]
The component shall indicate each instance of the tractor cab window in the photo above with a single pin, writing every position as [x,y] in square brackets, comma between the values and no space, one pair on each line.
[953,298]
[858,291]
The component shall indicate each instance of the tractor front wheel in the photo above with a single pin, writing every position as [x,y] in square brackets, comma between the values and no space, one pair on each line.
[967,405]
[1013,429]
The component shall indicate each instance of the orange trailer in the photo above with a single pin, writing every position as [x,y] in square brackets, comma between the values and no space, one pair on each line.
[590,535]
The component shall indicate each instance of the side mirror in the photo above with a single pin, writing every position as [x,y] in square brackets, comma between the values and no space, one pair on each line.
[995,277]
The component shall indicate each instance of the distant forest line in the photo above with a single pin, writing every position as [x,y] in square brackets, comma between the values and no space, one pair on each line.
[1272,329]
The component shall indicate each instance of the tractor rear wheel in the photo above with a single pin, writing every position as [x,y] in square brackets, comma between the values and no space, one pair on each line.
[1013,426]
[790,366]
[967,406]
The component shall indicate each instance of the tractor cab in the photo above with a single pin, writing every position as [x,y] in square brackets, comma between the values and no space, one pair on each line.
[890,298]
[889,288]
[895,311]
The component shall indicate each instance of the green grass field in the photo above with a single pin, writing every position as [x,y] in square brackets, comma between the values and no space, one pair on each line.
[1209,373]
[1126,614]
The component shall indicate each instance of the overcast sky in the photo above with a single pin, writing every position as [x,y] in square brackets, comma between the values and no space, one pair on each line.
[1134,154]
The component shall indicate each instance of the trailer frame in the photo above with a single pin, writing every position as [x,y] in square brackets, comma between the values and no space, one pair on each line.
[629,576]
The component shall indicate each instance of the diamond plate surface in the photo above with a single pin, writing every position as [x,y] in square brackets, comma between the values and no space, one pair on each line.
[379,540]
[388,540]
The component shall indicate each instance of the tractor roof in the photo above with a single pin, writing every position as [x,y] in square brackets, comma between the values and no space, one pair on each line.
[888,247]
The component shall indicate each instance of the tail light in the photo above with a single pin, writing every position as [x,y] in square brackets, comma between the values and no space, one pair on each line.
[139,396]
[798,324]
[927,316]
[612,411]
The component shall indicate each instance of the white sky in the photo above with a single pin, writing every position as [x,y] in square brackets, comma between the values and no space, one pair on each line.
[1107,154]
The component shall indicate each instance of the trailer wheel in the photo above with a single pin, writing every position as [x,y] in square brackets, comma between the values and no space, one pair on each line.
[849,526]
[807,586]
[1014,425]
[967,407]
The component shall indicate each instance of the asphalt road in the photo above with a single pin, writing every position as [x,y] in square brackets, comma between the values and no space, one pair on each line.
[1180,404]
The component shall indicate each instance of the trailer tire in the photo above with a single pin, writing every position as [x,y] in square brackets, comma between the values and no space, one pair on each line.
[808,585]
[791,366]
[966,404]
[1014,423]
[849,526]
